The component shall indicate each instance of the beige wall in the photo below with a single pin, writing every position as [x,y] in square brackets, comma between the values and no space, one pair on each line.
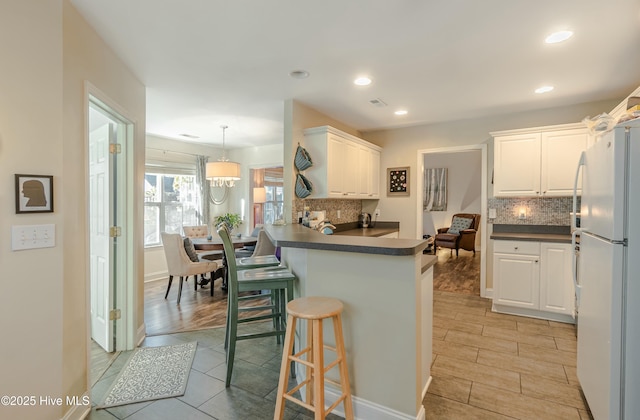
[48,52]
[87,58]
[31,142]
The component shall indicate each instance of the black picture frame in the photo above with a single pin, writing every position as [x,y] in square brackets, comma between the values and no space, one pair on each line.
[398,182]
[34,193]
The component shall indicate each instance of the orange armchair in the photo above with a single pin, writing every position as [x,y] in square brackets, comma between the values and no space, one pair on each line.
[455,238]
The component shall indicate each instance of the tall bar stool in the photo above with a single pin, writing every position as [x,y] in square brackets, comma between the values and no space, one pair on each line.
[314,309]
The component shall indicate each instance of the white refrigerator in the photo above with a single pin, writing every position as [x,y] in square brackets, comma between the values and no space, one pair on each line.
[608,282]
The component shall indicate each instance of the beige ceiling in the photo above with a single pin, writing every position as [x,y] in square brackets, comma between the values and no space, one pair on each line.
[212,62]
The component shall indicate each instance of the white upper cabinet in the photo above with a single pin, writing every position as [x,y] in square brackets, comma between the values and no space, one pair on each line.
[344,166]
[538,162]
[516,165]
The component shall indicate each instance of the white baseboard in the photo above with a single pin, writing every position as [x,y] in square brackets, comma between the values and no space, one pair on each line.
[157,275]
[488,293]
[426,387]
[363,409]
[80,410]
[141,334]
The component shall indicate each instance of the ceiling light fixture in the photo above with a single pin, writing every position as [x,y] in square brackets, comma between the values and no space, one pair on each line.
[362,81]
[559,36]
[223,172]
[544,89]
[189,136]
[401,112]
[299,74]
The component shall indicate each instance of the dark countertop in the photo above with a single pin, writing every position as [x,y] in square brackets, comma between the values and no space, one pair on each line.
[298,236]
[367,232]
[534,233]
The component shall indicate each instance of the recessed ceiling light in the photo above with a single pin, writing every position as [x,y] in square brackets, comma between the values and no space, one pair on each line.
[299,74]
[559,36]
[544,89]
[362,81]
[189,136]
[401,112]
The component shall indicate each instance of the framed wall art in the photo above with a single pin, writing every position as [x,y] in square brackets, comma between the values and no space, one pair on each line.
[34,193]
[398,181]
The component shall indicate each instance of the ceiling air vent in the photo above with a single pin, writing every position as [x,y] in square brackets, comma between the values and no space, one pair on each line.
[377,102]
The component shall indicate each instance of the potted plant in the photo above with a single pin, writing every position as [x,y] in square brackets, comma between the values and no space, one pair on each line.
[232,220]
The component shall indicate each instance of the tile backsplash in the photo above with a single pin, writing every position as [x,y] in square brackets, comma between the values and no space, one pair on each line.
[349,209]
[538,211]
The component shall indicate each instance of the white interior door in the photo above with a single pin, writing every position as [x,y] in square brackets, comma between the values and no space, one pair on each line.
[100,242]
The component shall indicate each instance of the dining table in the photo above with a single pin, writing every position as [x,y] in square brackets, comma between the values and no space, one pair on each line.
[215,244]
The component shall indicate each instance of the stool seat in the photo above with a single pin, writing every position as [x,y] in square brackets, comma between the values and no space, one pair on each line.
[314,307]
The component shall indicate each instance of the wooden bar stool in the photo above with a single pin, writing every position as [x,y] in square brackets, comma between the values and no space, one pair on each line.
[314,310]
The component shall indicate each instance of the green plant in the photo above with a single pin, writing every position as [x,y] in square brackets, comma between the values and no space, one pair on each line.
[232,220]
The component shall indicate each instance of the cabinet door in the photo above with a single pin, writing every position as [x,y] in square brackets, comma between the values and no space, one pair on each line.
[342,164]
[516,280]
[374,173]
[336,153]
[516,165]
[364,171]
[350,170]
[556,283]
[560,155]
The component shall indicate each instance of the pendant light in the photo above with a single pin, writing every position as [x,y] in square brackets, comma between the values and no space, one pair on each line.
[223,173]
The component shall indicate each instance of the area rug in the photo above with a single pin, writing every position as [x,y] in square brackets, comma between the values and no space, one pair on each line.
[152,373]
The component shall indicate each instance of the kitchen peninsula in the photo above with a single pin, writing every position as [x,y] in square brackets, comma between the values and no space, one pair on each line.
[386,286]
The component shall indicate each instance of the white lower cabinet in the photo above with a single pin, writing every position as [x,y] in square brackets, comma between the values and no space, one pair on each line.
[533,279]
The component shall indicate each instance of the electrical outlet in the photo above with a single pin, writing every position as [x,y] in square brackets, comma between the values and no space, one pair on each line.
[492,213]
[33,236]
[377,212]
[338,214]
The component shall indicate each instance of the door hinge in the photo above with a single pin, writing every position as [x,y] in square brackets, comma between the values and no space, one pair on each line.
[114,314]
[115,231]
[115,148]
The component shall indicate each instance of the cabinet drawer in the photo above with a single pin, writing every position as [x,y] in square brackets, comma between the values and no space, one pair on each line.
[517,247]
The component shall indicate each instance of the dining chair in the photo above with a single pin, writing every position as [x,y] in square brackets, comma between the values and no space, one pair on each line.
[201,231]
[179,263]
[278,280]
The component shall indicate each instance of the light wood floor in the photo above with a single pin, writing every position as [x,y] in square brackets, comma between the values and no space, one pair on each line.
[197,309]
[459,274]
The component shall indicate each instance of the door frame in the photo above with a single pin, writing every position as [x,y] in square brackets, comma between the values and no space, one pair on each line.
[125,291]
[483,201]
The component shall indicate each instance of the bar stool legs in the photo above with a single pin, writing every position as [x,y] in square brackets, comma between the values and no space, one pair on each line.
[314,310]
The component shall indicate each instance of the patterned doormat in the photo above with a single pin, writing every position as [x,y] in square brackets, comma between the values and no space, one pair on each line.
[152,373]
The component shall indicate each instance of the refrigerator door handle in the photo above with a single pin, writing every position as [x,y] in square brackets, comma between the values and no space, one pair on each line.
[574,268]
[575,190]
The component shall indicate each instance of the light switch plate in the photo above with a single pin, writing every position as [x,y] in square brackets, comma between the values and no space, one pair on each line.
[492,213]
[33,236]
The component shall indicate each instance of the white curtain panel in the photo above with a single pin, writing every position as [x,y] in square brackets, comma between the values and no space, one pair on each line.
[435,189]
[203,185]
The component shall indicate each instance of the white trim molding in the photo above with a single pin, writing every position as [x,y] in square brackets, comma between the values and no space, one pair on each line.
[80,409]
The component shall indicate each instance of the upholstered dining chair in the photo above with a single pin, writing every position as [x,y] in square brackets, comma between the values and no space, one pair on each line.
[179,264]
[279,280]
[202,231]
[461,234]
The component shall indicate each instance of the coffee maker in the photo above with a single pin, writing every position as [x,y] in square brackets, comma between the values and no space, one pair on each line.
[364,220]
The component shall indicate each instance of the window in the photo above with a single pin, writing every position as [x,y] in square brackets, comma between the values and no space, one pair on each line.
[170,201]
[273,208]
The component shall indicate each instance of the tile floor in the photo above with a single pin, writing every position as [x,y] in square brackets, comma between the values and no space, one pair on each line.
[252,394]
[494,366]
[485,366]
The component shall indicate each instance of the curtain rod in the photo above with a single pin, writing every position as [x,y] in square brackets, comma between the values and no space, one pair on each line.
[174,151]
